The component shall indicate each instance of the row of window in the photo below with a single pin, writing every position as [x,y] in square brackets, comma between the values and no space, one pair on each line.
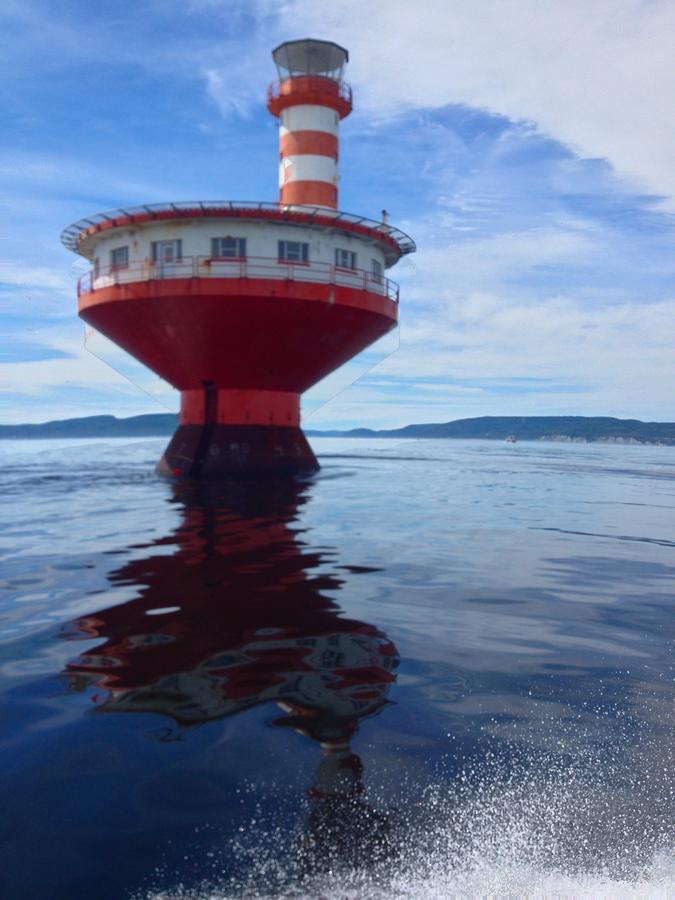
[235,248]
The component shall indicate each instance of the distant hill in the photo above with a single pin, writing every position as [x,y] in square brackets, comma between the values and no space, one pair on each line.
[522,428]
[535,428]
[153,425]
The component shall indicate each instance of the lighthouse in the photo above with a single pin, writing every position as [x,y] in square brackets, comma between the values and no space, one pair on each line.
[244,305]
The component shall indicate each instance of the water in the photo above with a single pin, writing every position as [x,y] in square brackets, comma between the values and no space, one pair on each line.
[435,669]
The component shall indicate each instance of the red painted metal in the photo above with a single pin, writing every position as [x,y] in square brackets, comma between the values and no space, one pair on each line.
[240,407]
[300,143]
[311,90]
[257,334]
[241,350]
[315,193]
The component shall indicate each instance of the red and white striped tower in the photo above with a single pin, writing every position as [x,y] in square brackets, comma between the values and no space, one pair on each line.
[309,100]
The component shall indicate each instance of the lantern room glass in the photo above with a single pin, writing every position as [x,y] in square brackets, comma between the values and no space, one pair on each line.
[310,57]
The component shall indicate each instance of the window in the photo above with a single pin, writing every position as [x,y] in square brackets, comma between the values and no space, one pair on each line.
[119,258]
[167,251]
[293,251]
[345,259]
[228,247]
[377,271]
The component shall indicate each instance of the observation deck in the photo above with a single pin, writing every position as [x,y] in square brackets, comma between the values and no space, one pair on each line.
[252,268]
[309,90]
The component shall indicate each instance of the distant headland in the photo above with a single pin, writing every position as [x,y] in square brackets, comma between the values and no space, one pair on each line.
[578,429]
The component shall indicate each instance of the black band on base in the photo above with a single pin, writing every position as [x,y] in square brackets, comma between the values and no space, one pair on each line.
[221,451]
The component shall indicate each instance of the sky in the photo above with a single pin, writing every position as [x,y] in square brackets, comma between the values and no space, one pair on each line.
[528,146]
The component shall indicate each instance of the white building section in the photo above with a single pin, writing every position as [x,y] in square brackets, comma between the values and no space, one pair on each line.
[232,248]
[309,118]
[308,167]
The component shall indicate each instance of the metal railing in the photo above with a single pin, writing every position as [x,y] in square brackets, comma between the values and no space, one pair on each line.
[260,267]
[252,209]
[337,88]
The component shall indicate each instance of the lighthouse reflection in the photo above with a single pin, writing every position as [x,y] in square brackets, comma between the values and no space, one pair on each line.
[232,612]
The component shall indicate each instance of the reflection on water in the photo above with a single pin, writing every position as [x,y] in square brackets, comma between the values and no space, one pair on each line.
[232,619]
[523,745]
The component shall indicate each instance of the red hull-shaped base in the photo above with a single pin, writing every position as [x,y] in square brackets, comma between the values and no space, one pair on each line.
[231,451]
[253,334]
[241,351]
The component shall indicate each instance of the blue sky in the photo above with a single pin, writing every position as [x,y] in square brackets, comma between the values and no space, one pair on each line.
[526,146]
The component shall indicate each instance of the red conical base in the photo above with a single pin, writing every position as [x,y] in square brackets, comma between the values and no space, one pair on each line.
[221,451]
[241,351]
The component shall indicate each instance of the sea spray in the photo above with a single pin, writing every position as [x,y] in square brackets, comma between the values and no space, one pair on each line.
[538,827]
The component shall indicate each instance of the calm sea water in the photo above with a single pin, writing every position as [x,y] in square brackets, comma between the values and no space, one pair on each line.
[435,669]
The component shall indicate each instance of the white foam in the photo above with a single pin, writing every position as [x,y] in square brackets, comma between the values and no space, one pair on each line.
[504,880]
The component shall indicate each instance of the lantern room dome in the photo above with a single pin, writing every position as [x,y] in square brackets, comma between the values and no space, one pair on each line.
[309,56]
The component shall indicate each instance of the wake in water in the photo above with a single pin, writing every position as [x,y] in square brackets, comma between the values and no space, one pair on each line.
[494,831]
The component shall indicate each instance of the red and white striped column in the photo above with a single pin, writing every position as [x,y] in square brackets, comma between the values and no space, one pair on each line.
[309,110]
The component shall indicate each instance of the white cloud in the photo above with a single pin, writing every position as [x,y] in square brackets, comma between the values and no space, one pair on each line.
[93,372]
[230,91]
[43,376]
[42,390]
[489,261]
[598,77]
[24,277]
[623,355]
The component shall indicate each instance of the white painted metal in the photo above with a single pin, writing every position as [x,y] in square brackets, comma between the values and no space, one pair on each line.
[309,118]
[262,240]
[308,167]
